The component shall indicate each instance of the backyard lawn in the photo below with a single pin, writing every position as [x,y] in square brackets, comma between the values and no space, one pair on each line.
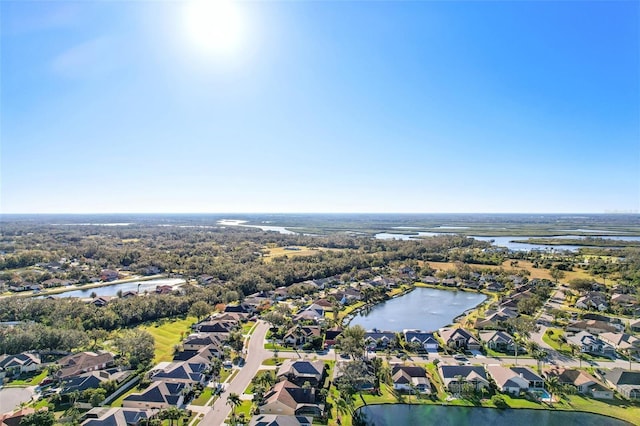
[167,334]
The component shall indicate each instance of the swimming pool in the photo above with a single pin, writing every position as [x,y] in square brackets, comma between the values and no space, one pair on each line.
[542,395]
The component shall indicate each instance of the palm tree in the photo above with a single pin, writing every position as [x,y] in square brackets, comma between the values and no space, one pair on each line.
[343,405]
[628,353]
[574,348]
[532,347]
[459,381]
[234,401]
[171,414]
[581,357]
[553,385]
[539,355]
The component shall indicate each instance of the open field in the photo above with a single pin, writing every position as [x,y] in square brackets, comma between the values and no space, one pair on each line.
[167,334]
[270,253]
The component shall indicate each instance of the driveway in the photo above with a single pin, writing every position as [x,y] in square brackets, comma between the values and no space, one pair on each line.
[10,398]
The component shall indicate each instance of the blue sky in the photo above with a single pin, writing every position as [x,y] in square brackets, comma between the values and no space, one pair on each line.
[504,106]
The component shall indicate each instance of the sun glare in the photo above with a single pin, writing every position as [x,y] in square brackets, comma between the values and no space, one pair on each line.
[214,26]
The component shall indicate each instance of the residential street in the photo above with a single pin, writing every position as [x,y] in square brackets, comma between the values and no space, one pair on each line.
[255,356]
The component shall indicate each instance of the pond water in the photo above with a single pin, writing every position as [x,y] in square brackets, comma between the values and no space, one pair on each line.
[424,308]
[400,414]
[112,290]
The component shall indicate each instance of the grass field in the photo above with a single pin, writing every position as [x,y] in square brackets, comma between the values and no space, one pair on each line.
[167,334]
[289,251]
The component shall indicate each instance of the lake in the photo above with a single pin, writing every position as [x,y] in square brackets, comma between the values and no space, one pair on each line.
[506,241]
[112,289]
[400,414]
[424,309]
[236,222]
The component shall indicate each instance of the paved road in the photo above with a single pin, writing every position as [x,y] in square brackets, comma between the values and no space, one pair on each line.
[255,356]
[10,398]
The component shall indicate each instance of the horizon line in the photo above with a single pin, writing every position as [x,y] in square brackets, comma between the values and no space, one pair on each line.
[612,212]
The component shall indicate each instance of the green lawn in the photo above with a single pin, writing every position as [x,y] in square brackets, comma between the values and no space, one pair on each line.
[243,409]
[274,346]
[273,361]
[30,379]
[246,328]
[224,373]
[118,401]
[554,341]
[167,334]
[346,311]
[203,398]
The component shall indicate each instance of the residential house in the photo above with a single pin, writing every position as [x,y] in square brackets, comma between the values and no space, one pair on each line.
[158,395]
[185,372]
[24,362]
[102,301]
[206,353]
[313,313]
[624,299]
[301,371]
[241,308]
[15,417]
[286,398]
[299,335]
[164,289]
[83,362]
[92,380]
[455,376]
[109,275]
[425,339]
[106,416]
[197,341]
[635,326]
[494,286]
[593,300]
[331,336]
[347,296]
[387,283]
[498,340]
[430,280]
[459,338]
[216,326]
[588,343]
[584,382]
[495,319]
[410,379]
[54,282]
[449,282]
[624,381]
[323,303]
[516,379]
[375,339]
[621,341]
[278,420]
[592,326]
